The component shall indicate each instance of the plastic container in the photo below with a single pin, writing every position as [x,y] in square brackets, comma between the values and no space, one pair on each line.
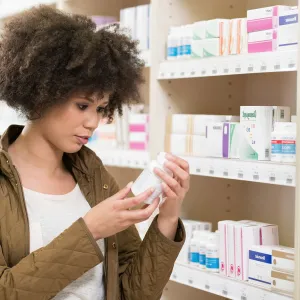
[187,37]
[213,253]
[148,179]
[194,249]
[173,43]
[202,249]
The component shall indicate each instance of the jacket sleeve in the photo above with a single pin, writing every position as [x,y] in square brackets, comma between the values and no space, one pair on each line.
[145,267]
[45,272]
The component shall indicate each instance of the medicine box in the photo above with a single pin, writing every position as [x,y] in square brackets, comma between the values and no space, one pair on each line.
[198,146]
[223,230]
[238,36]
[214,137]
[281,114]
[128,20]
[256,129]
[179,124]
[143,26]
[260,265]
[215,47]
[178,144]
[217,28]
[197,48]
[282,282]
[199,30]
[138,140]
[231,265]
[283,259]
[231,139]
[138,122]
[267,17]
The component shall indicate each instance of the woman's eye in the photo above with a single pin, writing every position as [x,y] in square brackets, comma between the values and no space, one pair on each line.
[82,106]
[100,109]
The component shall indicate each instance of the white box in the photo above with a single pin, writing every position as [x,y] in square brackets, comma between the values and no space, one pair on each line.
[178,144]
[179,124]
[217,28]
[282,282]
[283,259]
[238,36]
[223,229]
[197,48]
[199,146]
[231,139]
[199,30]
[231,265]
[215,47]
[256,129]
[143,26]
[269,235]
[214,136]
[281,114]
[128,20]
[260,265]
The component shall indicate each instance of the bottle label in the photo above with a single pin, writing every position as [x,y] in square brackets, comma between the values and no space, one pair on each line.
[276,147]
[202,259]
[187,50]
[212,263]
[180,50]
[289,147]
[172,51]
[194,257]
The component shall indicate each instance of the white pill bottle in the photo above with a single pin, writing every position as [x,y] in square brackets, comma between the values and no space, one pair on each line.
[148,179]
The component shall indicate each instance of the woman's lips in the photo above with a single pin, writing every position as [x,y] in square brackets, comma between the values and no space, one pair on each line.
[82,140]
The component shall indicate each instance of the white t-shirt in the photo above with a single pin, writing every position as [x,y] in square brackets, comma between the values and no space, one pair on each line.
[49,216]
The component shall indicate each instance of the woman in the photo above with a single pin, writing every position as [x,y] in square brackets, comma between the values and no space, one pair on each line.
[66,230]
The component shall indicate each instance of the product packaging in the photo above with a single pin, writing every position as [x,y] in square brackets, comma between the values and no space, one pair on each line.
[178,144]
[197,49]
[231,139]
[143,26]
[283,259]
[199,30]
[238,36]
[213,253]
[282,282]
[215,47]
[256,129]
[214,137]
[128,20]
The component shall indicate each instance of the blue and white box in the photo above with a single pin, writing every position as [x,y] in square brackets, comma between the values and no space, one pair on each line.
[288,29]
[260,265]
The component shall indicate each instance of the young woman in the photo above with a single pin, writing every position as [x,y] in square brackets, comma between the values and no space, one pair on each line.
[66,230]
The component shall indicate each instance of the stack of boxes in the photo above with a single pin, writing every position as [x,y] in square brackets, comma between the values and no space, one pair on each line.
[137,21]
[101,21]
[272,267]
[138,131]
[272,28]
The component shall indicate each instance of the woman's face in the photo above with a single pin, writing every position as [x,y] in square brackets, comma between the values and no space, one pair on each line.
[68,126]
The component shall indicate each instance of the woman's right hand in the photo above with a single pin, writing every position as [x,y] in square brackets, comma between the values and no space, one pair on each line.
[114,215]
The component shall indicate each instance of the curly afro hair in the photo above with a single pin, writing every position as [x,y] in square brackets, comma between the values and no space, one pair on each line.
[46,56]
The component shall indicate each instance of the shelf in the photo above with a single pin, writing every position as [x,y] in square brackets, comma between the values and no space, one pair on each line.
[282,61]
[265,172]
[10,8]
[222,286]
[124,158]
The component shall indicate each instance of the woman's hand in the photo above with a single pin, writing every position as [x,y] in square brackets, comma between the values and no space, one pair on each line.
[114,215]
[175,189]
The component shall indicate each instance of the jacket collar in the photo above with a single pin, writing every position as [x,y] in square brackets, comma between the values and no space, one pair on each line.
[85,160]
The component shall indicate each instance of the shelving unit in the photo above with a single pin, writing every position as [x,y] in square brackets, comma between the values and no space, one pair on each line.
[263,191]
[222,286]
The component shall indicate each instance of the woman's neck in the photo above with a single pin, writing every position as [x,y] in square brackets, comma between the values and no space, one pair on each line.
[33,150]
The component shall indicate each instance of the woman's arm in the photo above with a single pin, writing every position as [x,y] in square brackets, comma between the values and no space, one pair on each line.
[47,271]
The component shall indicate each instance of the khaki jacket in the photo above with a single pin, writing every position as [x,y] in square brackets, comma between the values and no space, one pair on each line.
[134,270]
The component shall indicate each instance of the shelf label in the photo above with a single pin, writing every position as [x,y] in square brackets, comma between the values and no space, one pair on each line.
[226,69]
[238,68]
[244,293]
[240,173]
[214,70]
[250,68]
[211,171]
[277,65]
[225,173]
[263,67]
[162,74]
[225,290]
[198,170]
[207,285]
[272,176]
[289,179]
[203,72]
[172,74]
[255,174]
[193,73]
[292,64]
[190,281]
[182,74]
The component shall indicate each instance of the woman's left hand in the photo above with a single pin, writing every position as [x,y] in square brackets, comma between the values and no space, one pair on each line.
[174,188]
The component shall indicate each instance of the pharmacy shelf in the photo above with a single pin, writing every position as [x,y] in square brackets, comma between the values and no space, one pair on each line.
[282,61]
[222,286]
[10,8]
[145,55]
[125,158]
[264,172]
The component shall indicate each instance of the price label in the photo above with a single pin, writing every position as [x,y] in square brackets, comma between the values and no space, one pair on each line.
[225,173]
[203,72]
[174,276]
[250,68]
[207,286]
[255,174]
[272,176]
[172,74]
[244,294]
[193,73]
[277,66]
[238,68]
[292,64]
[198,170]
[190,281]
[263,67]
[240,174]
[182,74]
[214,70]
[289,180]
[162,74]
[225,291]
[226,69]
[211,171]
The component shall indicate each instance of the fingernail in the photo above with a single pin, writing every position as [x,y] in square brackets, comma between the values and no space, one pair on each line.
[152,190]
[129,184]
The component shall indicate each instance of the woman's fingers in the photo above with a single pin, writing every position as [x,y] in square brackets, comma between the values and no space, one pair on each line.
[179,172]
[124,204]
[179,161]
[169,193]
[170,181]
[139,215]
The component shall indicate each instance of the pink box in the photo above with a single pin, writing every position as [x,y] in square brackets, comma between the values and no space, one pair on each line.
[264,18]
[138,141]
[263,41]
[138,122]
